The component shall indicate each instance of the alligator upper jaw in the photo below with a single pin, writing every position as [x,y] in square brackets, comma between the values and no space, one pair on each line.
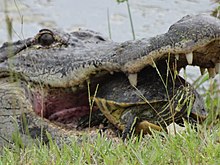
[178,61]
[206,57]
[193,40]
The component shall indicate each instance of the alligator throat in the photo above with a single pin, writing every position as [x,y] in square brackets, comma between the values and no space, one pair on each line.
[62,105]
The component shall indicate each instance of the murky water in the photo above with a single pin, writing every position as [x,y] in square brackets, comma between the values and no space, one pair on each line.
[150,17]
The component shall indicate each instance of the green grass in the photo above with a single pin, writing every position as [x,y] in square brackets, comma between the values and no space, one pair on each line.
[190,147]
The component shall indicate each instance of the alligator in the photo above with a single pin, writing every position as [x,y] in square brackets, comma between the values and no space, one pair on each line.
[47,80]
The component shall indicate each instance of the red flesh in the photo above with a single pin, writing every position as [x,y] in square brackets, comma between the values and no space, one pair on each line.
[61,105]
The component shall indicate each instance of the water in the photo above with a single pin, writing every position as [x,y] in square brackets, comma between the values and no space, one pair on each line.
[150,17]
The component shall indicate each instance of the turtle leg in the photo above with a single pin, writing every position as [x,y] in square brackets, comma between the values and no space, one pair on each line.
[132,123]
[146,127]
[130,126]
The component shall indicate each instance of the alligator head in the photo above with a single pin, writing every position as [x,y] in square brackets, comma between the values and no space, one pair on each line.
[60,68]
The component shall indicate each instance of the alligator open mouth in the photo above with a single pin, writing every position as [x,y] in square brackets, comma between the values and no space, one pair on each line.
[68,105]
[63,105]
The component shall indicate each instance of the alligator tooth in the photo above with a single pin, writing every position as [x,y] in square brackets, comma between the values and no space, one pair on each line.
[177,56]
[153,65]
[217,68]
[133,79]
[211,72]
[202,71]
[189,58]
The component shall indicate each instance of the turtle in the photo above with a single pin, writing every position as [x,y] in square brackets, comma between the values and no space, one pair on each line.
[155,102]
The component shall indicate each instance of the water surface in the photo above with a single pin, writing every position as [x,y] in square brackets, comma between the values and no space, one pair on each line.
[150,17]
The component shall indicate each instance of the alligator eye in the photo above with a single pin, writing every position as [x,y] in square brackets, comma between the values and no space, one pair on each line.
[46,39]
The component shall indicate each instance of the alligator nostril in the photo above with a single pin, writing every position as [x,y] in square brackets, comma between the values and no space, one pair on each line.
[46,39]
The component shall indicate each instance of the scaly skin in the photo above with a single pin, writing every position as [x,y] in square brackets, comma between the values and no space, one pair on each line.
[75,57]
[17,115]
[70,60]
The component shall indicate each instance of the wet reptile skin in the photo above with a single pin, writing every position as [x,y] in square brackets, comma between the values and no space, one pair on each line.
[73,58]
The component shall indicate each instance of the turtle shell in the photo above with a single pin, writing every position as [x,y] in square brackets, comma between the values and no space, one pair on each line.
[158,99]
